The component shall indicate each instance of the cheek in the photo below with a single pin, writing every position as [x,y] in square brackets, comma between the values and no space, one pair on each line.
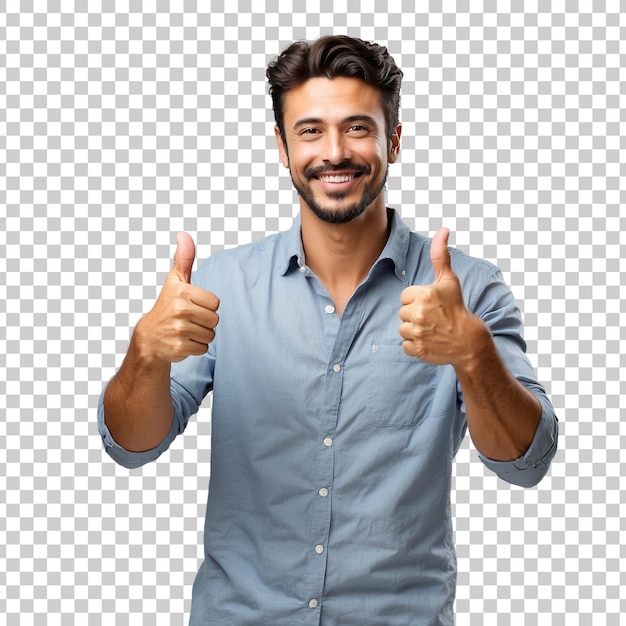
[301,158]
[379,155]
[305,153]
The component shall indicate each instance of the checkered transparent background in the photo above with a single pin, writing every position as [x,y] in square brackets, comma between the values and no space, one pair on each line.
[122,123]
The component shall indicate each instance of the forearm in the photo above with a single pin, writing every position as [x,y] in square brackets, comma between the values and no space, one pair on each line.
[502,415]
[138,406]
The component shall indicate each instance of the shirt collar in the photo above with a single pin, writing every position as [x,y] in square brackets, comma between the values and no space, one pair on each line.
[294,252]
[397,247]
[395,250]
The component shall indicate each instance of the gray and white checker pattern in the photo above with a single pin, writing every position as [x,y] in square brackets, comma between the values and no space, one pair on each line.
[122,123]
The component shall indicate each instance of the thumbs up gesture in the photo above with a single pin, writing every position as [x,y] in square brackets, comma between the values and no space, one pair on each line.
[184,257]
[184,317]
[437,327]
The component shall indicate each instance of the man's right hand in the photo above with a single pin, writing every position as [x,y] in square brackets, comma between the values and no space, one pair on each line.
[183,319]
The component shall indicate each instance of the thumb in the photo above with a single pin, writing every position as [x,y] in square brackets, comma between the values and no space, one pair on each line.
[440,255]
[184,256]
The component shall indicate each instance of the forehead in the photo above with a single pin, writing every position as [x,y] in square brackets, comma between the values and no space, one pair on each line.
[330,99]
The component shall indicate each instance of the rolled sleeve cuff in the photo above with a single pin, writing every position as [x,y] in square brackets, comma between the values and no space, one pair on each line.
[530,468]
[130,460]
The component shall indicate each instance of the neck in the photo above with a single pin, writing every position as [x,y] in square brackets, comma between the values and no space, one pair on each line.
[341,255]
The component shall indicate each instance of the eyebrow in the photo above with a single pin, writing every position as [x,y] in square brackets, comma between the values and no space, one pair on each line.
[346,120]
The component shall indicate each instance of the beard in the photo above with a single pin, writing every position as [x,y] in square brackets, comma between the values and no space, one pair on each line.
[346,213]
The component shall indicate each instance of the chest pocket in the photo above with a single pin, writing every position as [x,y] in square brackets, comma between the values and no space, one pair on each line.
[400,387]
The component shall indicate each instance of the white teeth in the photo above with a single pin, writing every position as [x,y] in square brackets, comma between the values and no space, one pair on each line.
[337,179]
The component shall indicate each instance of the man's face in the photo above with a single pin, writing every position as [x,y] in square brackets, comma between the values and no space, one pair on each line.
[337,149]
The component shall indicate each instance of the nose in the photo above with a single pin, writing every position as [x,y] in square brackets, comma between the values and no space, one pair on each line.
[336,149]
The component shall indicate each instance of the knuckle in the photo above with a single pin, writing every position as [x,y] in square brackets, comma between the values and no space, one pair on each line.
[179,346]
[428,294]
[178,328]
[179,308]
[417,318]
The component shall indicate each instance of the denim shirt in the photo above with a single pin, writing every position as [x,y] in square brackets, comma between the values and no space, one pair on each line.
[332,450]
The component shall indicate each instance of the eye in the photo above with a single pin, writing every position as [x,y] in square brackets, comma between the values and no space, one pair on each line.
[309,131]
[358,130]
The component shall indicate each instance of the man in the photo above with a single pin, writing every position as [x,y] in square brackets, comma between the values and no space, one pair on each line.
[334,421]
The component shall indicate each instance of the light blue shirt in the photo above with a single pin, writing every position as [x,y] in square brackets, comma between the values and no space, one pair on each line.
[331,454]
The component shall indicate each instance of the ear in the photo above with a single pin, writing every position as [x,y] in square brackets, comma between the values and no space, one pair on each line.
[394,148]
[282,148]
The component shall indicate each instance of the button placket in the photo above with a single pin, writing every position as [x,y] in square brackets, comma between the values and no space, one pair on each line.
[339,335]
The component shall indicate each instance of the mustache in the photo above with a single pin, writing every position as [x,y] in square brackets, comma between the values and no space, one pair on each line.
[314,172]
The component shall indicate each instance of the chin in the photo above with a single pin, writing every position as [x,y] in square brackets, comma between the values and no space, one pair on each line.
[339,215]
[341,210]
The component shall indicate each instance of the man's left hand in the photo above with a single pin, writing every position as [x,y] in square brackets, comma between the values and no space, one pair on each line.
[437,327]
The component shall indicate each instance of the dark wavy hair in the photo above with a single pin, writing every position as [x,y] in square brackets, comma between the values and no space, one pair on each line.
[332,56]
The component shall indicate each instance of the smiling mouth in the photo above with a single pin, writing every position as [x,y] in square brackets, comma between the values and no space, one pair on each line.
[338,178]
[336,174]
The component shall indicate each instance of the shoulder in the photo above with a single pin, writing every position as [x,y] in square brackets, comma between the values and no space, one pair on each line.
[482,283]
[249,250]
[243,263]
[468,268]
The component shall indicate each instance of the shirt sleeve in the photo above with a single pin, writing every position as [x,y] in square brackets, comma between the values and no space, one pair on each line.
[530,468]
[126,458]
[185,405]
[495,305]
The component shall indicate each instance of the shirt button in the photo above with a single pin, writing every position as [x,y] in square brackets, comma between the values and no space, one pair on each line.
[313,604]
[336,367]
[328,442]
[323,492]
[329,309]
[319,549]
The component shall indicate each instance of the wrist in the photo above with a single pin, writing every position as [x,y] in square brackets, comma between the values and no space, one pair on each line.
[480,348]
[143,347]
